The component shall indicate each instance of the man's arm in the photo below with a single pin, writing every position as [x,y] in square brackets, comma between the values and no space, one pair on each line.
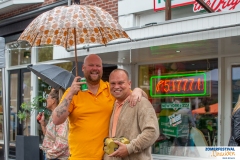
[60,113]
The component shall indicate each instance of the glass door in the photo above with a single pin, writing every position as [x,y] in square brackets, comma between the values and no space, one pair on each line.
[19,92]
[235,84]
[230,94]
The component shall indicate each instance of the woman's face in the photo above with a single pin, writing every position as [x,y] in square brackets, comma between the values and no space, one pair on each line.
[50,102]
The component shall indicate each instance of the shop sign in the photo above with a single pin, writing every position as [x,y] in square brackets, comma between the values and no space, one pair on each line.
[216,5]
[175,119]
[175,106]
[174,131]
[179,85]
[160,4]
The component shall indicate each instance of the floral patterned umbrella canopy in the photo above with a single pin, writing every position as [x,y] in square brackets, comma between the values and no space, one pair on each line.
[72,25]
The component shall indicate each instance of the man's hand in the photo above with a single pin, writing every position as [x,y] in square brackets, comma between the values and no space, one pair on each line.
[136,96]
[75,87]
[121,151]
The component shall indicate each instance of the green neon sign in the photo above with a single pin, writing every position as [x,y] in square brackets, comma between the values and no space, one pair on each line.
[179,85]
[159,1]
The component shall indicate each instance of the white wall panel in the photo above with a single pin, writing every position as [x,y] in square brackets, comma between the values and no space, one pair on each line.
[205,35]
[234,31]
[222,33]
[238,28]
[238,17]
[127,21]
[151,17]
[157,30]
[133,6]
[228,32]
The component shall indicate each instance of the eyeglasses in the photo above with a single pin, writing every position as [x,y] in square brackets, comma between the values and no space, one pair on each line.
[48,97]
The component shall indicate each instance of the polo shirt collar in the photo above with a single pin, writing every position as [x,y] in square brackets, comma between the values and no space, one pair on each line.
[103,85]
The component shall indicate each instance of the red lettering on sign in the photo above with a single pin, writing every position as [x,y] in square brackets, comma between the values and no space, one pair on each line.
[180,85]
[217,5]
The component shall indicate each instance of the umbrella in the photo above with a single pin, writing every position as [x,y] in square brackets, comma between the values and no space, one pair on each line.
[53,75]
[213,109]
[72,25]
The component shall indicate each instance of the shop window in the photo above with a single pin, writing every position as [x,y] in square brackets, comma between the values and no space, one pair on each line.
[68,66]
[185,98]
[45,53]
[235,84]
[19,53]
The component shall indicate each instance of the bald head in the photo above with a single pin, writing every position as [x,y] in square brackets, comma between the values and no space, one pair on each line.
[92,69]
[120,70]
[91,56]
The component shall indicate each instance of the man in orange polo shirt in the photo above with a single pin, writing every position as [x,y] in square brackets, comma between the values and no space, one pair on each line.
[138,124]
[88,112]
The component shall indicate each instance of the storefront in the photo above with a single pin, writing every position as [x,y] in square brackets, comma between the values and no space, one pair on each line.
[184,95]
[190,75]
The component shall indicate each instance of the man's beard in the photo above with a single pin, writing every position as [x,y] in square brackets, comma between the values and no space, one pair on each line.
[93,81]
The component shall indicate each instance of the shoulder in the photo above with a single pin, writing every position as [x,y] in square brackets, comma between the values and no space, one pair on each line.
[145,101]
[104,85]
[144,104]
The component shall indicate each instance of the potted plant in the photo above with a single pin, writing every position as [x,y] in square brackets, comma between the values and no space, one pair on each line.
[27,147]
[27,109]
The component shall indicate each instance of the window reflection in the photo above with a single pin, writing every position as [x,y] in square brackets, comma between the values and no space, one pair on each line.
[185,98]
[20,53]
[45,53]
[26,95]
[13,106]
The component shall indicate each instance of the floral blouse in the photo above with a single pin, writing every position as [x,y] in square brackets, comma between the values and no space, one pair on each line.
[55,142]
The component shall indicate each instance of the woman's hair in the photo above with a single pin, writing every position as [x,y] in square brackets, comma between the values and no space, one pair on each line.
[237,106]
[57,94]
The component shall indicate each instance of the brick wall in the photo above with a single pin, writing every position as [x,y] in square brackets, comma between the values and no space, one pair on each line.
[26,9]
[110,6]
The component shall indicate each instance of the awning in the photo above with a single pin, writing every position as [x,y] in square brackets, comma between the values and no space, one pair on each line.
[213,109]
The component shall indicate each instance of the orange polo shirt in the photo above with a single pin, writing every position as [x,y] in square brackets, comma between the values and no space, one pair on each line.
[116,115]
[89,123]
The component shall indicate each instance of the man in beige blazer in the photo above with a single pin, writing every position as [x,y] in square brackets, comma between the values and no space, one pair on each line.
[139,124]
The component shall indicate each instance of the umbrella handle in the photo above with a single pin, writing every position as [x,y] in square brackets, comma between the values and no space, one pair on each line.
[75,49]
